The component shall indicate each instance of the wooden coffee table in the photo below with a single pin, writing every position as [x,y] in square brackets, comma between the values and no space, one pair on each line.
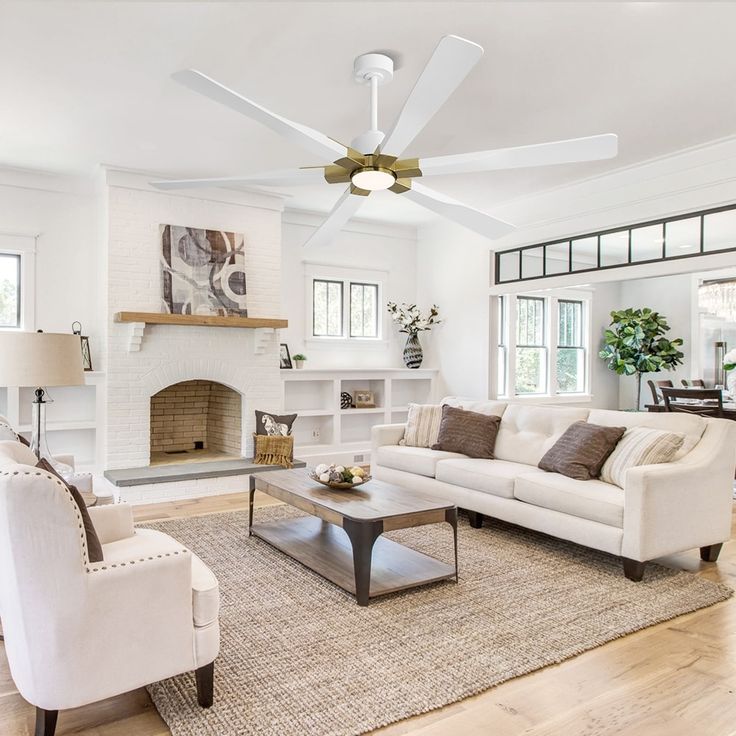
[341,538]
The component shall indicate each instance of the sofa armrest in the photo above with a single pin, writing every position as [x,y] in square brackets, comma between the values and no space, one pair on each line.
[677,506]
[112,522]
[386,434]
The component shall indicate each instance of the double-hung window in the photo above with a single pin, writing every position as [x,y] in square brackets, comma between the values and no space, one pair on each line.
[345,304]
[543,345]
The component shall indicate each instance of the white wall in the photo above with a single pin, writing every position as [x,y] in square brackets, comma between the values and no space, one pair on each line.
[62,212]
[360,245]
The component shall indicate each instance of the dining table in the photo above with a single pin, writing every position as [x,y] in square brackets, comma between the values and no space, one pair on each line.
[705,408]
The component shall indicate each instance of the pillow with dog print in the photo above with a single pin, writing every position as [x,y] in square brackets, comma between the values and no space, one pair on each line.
[274,425]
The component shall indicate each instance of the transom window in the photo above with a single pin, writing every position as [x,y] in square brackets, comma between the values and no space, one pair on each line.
[10,290]
[344,304]
[542,345]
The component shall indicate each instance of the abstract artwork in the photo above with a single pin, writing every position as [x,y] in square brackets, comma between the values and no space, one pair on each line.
[203,271]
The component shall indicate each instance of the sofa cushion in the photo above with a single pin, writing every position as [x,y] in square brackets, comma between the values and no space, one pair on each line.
[467,432]
[582,450]
[527,432]
[587,499]
[686,424]
[418,460]
[487,476]
[149,543]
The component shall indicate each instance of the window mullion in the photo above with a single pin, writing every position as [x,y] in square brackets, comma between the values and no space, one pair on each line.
[552,341]
[511,331]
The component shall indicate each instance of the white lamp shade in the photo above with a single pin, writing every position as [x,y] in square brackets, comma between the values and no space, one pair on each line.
[40,359]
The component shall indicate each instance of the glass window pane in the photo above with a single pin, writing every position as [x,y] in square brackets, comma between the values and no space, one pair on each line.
[557,258]
[9,290]
[570,370]
[320,308]
[584,253]
[615,248]
[363,310]
[327,308]
[501,370]
[646,243]
[719,230]
[530,321]
[508,266]
[570,323]
[531,370]
[532,263]
[682,237]
[334,308]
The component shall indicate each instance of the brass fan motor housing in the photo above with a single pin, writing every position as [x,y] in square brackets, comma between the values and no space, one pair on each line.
[403,170]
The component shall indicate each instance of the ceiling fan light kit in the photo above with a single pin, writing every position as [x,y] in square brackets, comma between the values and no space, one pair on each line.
[373,160]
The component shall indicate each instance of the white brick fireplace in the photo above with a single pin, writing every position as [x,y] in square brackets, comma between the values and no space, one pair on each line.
[170,354]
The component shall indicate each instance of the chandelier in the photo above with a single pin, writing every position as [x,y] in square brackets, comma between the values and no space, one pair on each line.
[719,298]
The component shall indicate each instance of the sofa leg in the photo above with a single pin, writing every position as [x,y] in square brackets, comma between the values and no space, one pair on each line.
[476,519]
[46,722]
[633,569]
[205,677]
[711,552]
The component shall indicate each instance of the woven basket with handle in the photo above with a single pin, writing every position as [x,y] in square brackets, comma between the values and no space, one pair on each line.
[273,450]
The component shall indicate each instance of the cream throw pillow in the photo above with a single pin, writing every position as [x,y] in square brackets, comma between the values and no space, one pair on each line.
[422,425]
[640,446]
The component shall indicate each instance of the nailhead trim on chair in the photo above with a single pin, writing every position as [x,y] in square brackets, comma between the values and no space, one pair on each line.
[81,526]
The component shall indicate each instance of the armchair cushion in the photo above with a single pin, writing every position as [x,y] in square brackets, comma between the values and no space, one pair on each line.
[94,548]
[149,543]
[112,522]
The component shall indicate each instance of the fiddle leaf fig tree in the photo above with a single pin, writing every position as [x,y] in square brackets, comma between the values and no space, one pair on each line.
[635,343]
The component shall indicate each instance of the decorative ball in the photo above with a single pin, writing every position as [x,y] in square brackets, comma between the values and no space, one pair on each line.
[335,476]
[346,400]
[324,477]
[357,479]
[322,468]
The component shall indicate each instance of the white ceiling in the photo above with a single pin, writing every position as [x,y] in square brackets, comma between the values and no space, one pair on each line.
[83,83]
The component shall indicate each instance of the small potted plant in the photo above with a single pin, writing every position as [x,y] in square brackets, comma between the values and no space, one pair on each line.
[299,359]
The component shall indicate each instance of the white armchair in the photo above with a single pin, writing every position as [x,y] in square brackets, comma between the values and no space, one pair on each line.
[77,632]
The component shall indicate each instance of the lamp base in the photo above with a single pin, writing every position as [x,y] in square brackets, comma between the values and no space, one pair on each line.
[39,444]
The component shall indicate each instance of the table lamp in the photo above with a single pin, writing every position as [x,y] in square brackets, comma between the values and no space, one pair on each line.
[39,360]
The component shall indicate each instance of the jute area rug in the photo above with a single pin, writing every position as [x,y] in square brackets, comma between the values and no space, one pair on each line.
[300,658]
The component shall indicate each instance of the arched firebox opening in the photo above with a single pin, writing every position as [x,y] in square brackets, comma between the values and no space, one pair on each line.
[195,421]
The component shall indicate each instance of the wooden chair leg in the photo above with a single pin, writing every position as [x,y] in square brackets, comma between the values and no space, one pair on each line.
[476,519]
[205,677]
[46,722]
[711,552]
[633,569]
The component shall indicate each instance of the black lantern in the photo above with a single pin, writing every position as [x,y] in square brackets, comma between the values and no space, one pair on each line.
[86,355]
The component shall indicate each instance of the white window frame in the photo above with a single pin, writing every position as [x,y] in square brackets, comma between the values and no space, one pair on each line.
[347,276]
[552,299]
[25,247]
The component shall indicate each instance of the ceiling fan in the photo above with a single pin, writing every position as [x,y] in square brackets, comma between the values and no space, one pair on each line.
[373,160]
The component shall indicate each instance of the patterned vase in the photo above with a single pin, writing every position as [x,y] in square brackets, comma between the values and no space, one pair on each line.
[413,354]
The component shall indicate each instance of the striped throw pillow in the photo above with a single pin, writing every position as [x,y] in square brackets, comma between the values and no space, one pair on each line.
[640,446]
[422,425]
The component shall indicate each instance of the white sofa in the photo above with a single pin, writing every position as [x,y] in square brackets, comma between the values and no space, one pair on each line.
[662,509]
[78,631]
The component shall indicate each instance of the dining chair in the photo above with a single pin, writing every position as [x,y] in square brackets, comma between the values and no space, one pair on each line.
[673,401]
[653,389]
[693,383]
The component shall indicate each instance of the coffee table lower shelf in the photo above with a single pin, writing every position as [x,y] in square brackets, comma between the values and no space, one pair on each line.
[326,549]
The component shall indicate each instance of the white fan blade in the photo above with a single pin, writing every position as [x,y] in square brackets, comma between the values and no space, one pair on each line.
[450,63]
[282,178]
[458,212]
[592,148]
[344,209]
[308,138]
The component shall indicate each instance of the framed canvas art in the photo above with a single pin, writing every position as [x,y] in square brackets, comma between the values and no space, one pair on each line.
[203,271]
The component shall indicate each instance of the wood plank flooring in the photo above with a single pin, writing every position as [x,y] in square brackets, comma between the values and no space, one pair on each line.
[674,679]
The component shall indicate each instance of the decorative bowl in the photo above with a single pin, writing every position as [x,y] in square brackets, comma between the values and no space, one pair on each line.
[339,485]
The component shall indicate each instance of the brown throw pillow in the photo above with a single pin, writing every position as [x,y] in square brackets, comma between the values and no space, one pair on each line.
[94,548]
[581,450]
[467,432]
[274,425]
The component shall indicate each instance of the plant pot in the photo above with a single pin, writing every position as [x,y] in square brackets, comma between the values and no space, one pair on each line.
[299,363]
[413,354]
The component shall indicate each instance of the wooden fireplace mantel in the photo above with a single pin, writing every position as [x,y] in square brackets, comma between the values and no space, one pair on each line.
[155,318]
[264,328]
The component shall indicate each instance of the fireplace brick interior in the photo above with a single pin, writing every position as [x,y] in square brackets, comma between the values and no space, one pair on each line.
[196,415]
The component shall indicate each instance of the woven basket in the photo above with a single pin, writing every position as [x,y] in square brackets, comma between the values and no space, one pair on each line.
[273,450]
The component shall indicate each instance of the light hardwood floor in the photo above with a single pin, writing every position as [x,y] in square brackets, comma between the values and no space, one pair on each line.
[674,679]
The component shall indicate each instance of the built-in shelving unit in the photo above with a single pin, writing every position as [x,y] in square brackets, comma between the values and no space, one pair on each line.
[74,417]
[323,430]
